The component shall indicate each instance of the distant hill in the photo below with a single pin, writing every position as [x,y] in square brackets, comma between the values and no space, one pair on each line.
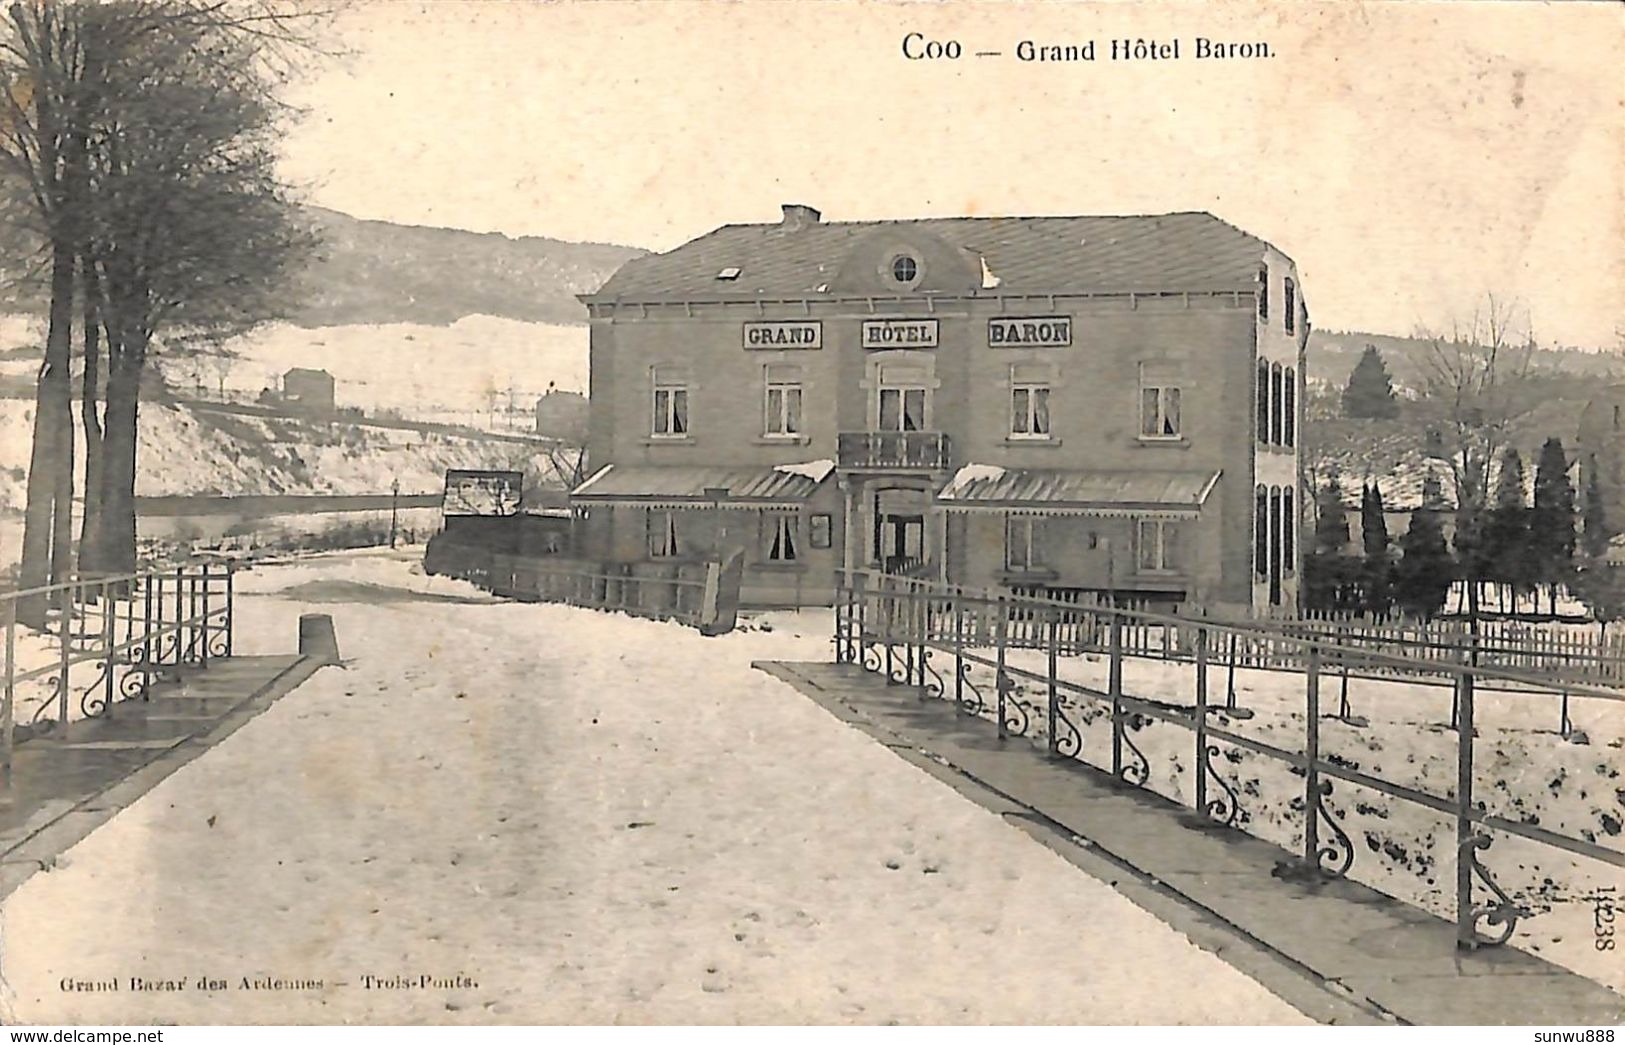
[370,272]
[380,272]
[1331,355]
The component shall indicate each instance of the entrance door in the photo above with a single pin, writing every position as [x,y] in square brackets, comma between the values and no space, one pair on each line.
[901,542]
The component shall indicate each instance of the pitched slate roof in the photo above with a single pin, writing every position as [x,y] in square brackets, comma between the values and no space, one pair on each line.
[1099,492]
[1192,251]
[686,485]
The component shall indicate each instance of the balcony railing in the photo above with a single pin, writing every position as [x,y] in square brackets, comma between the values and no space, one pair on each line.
[921,450]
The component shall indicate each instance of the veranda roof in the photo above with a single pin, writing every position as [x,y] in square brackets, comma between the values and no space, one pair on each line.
[689,486]
[1079,492]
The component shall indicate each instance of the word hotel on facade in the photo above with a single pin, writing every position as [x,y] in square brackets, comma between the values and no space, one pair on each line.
[1082,407]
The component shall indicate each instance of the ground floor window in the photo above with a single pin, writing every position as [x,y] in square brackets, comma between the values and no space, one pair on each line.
[783,540]
[1158,546]
[662,527]
[1022,542]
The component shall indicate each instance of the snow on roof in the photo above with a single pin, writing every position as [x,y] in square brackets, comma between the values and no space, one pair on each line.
[817,470]
[972,473]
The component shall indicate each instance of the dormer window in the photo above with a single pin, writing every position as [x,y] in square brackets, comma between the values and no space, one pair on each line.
[729,274]
[905,269]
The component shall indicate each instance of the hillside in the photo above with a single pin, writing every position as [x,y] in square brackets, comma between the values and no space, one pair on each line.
[193,452]
[379,272]
[373,272]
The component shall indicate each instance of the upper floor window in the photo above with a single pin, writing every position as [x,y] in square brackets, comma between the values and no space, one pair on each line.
[662,532]
[1157,541]
[905,269]
[1022,549]
[1159,401]
[783,542]
[1029,401]
[1289,407]
[903,399]
[1277,397]
[1289,304]
[1289,532]
[1262,398]
[1261,531]
[783,401]
[1263,292]
[670,403]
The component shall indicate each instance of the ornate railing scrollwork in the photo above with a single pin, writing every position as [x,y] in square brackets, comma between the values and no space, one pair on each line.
[1068,738]
[871,658]
[1017,720]
[930,679]
[93,701]
[1223,807]
[1335,855]
[1500,911]
[1136,768]
[902,662]
[970,694]
[44,717]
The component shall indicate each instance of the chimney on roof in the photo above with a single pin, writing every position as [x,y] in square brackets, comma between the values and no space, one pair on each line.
[798,216]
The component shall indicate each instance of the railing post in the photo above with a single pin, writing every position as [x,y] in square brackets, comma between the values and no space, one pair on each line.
[147,602]
[1201,719]
[1466,939]
[1000,640]
[1230,673]
[1114,688]
[842,616]
[1054,644]
[958,597]
[109,640]
[863,615]
[888,610]
[180,617]
[66,603]
[8,710]
[203,617]
[1311,758]
[231,593]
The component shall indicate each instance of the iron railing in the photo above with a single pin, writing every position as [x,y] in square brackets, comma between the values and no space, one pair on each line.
[106,640]
[894,626]
[910,450]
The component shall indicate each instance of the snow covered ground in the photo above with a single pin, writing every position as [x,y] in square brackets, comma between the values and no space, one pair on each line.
[590,817]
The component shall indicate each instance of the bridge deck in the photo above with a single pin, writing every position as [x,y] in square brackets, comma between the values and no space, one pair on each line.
[1343,939]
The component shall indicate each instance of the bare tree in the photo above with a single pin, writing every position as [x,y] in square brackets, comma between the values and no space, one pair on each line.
[1476,392]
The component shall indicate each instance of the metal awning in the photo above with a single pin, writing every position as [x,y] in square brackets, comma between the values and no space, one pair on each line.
[1043,491]
[685,486]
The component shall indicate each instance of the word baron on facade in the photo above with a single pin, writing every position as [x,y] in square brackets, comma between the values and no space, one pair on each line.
[1030,332]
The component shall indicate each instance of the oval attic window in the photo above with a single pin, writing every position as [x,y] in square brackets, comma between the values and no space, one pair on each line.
[905,269]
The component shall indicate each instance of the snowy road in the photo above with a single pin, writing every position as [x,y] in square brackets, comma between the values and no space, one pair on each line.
[562,816]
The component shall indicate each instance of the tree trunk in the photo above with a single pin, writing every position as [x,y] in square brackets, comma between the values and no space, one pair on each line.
[90,557]
[117,541]
[48,461]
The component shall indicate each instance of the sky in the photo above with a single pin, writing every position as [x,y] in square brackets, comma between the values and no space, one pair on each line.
[1412,158]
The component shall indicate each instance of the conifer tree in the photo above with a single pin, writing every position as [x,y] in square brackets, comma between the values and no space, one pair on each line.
[1424,572]
[1551,521]
[1370,389]
[1506,547]
[1374,540]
